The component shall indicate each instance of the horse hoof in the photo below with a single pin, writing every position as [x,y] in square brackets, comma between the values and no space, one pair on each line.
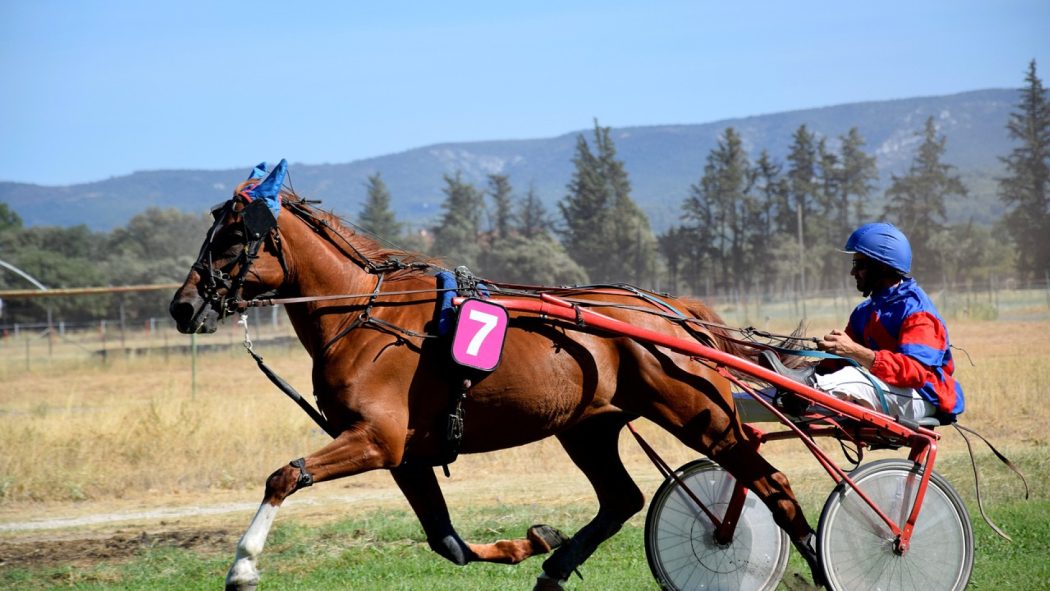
[241,587]
[545,538]
[546,583]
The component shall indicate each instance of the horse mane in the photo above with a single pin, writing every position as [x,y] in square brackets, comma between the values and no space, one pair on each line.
[364,245]
[715,326]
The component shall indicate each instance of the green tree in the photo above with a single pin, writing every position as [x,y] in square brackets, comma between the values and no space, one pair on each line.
[632,235]
[539,260]
[1025,187]
[770,195]
[533,218]
[916,201]
[58,258]
[802,184]
[456,238]
[606,232]
[9,219]
[503,210]
[674,248]
[376,215]
[586,211]
[970,254]
[859,174]
[156,246]
[721,207]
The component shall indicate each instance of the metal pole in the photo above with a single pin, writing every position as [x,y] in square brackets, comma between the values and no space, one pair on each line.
[801,258]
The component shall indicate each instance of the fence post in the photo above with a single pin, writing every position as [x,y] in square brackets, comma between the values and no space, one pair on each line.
[102,336]
[50,335]
[123,341]
[1046,276]
[193,366]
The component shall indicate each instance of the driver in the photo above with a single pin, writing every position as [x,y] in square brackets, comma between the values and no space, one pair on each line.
[896,336]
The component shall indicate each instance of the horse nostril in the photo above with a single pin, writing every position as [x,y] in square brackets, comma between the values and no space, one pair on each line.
[182,312]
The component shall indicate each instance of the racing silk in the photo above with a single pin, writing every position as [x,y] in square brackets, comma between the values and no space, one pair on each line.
[911,344]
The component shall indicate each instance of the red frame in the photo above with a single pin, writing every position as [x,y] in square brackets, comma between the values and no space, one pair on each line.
[922,441]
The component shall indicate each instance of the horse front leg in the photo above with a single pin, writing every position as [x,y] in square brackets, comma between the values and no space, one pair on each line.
[358,449]
[421,488]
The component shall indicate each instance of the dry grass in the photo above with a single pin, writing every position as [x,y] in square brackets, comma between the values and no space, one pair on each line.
[74,431]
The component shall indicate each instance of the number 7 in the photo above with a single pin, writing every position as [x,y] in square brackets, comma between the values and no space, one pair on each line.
[488,322]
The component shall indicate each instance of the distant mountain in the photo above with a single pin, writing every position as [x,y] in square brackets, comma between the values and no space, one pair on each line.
[663,161]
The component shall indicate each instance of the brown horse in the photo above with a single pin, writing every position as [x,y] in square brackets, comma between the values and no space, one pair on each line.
[385,384]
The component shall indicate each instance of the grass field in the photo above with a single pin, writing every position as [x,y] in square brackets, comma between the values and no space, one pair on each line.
[79,439]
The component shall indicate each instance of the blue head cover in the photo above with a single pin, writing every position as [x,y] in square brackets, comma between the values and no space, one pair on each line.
[269,189]
[882,242]
[258,172]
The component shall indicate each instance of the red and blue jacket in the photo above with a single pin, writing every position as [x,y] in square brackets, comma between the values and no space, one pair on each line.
[911,345]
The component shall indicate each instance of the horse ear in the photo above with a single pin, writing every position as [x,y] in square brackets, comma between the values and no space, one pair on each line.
[258,172]
[269,189]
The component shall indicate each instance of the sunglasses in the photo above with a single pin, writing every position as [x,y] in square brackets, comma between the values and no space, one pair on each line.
[861,264]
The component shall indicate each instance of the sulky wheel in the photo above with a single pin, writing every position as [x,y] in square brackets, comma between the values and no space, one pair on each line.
[856,547]
[680,543]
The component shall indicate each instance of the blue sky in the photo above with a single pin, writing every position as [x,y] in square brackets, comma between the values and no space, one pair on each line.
[98,89]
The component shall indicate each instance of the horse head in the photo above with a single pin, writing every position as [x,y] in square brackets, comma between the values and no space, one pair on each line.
[240,258]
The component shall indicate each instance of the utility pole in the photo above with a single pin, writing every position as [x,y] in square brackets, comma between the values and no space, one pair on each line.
[801,258]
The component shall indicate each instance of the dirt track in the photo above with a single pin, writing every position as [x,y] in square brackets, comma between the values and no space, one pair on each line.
[89,533]
[77,550]
[84,534]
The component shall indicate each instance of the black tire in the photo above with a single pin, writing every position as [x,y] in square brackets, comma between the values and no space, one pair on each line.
[680,544]
[856,548]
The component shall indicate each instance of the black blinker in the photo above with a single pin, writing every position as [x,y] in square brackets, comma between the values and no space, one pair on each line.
[258,219]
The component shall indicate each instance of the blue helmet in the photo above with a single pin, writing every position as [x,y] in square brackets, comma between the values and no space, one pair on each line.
[882,242]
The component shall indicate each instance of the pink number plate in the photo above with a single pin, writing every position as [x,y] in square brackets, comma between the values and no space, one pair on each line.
[480,330]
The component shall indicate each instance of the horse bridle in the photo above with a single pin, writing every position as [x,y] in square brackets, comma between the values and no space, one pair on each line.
[219,289]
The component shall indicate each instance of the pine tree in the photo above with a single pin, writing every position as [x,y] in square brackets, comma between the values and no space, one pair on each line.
[859,174]
[632,235]
[503,213]
[605,231]
[722,199]
[1026,188]
[916,201]
[802,188]
[674,247]
[533,218]
[585,211]
[822,228]
[456,237]
[376,215]
[771,195]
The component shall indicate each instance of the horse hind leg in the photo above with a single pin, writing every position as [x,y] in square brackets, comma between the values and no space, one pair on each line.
[421,488]
[593,447]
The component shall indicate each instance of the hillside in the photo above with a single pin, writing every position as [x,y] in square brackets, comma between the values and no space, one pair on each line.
[663,161]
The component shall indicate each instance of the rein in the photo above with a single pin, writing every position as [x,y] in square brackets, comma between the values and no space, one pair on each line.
[325,229]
